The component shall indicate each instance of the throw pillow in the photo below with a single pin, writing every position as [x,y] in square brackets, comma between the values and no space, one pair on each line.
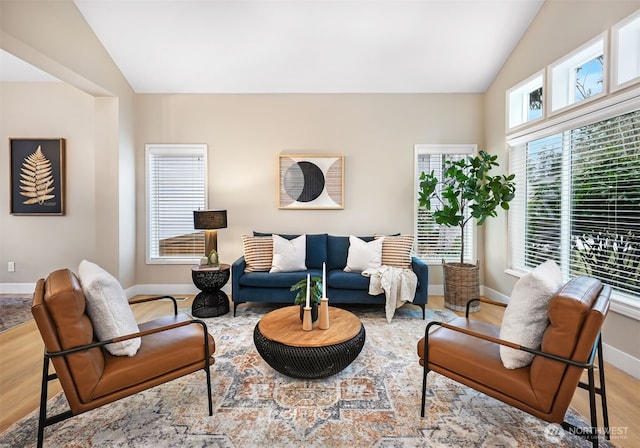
[289,255]
[258,252]
[108,308]
[525,318]
[363,255]
[396,250]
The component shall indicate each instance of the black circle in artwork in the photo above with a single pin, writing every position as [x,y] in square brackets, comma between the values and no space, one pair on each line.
[313,181]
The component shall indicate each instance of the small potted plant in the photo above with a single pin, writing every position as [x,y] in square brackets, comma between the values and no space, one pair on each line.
[315,294]
[466,191]
[213,260]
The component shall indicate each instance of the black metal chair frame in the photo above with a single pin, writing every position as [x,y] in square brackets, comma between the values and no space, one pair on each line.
[44,420]
[592,435]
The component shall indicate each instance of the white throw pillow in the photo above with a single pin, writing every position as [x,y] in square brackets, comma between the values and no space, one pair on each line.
[363,255]
[525,318]
[108,309]
[289,255]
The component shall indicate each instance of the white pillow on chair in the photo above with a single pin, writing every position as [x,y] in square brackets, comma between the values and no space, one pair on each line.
[525,318]
[108,309]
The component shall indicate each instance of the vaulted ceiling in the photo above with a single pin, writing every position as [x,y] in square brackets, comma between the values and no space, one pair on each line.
[307,46]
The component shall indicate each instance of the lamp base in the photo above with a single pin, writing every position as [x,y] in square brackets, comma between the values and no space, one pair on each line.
[210,241]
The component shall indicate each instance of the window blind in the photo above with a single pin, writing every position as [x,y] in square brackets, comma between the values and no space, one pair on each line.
[176,186]
[580,204]
[435,242]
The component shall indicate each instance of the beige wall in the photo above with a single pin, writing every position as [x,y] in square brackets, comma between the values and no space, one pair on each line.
[559,28]
[376,133]
[245,133]
[39,244]
[53,36]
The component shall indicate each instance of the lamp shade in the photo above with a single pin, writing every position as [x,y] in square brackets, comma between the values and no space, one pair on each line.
[210,219]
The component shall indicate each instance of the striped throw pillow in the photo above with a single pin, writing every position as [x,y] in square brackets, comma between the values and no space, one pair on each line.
[258,252]
[396,250]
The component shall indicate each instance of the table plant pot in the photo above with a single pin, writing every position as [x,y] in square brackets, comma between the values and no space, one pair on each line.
[314,311]
[315,293]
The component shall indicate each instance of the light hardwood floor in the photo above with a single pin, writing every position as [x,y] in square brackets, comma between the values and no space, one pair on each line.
[21,369]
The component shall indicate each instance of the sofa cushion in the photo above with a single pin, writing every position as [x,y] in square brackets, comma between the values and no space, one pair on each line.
[526,318]
[338,250]
[108,308]
[363,255]
[396,250]
[316,248]
[340,279]
[288,255]
[276,279]
[258,252]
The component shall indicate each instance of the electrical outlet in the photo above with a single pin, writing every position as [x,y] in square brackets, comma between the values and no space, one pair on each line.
[11,266]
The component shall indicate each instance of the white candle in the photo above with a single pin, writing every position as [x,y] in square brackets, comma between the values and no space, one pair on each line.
[324,280]
[308,289]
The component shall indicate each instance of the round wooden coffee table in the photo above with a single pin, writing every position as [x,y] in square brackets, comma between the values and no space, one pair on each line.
[290,350]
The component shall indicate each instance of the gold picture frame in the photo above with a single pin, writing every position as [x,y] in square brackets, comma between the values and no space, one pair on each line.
[37,176]
[309,181]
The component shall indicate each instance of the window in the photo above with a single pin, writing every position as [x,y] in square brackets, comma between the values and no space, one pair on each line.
[435,242]
[578,76]
[578,201]
[176,186]
[525,101]
[626,51]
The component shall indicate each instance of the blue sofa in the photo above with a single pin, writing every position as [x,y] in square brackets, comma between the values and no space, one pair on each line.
[342,287]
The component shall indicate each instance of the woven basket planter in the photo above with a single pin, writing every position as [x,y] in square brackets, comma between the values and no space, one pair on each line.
[461,284]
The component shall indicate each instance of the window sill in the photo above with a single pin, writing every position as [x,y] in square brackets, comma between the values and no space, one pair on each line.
[621,303]
[185,261]
[626,305]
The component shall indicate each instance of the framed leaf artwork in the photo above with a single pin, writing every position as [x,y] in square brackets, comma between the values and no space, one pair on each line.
[37,176]
[311,181]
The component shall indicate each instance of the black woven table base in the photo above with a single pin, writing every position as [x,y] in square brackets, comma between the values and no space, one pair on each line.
[210,304]
[309,362]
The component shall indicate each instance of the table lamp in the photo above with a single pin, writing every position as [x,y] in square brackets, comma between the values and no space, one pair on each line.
[210,221]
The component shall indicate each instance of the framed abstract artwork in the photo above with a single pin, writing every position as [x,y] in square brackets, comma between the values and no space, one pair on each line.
[37,176]
[310,181]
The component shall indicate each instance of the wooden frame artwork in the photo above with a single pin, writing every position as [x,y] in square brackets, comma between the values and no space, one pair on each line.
[310,181]
[37,176]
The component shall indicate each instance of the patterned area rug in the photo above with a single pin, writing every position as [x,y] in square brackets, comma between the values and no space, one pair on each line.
[374,402]
[14,311]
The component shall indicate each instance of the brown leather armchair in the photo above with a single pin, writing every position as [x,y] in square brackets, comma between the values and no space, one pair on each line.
[467,351]
[171,347]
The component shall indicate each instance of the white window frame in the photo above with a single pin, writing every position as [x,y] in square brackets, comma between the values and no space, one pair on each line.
[518,100]
[470,230]
[625,52]
[169,149]
[605,109]
[561,75]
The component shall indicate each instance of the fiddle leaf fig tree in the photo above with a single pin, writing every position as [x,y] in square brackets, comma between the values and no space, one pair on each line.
[466,185]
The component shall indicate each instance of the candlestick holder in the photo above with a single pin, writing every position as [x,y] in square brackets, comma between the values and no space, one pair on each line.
[307,323]
[324,314]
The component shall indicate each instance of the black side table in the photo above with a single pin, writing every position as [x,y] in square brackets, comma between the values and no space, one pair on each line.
[211,301]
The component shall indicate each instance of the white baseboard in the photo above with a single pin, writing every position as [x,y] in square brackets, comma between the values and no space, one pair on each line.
[621,360]
[168,289]
[17,288]
[438,290]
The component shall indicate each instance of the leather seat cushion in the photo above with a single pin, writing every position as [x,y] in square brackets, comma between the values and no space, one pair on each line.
[476,360]
[159,353]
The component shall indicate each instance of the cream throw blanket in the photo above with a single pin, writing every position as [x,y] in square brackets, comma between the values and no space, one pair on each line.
[398,284]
